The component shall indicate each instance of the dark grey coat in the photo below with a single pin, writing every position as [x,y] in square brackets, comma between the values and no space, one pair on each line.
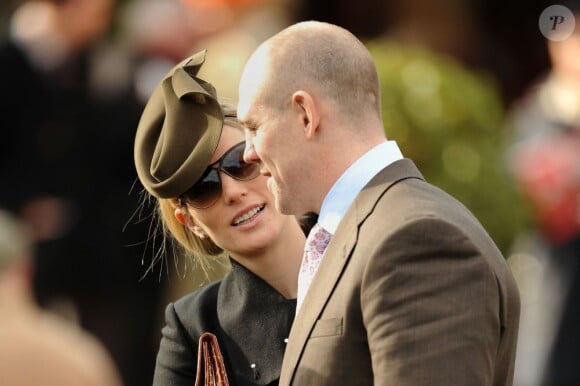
[250,319]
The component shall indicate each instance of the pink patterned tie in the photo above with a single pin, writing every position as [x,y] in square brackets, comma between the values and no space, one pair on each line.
[316,243]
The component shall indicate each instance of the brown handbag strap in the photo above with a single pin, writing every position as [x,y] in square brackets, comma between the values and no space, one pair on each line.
[211,370]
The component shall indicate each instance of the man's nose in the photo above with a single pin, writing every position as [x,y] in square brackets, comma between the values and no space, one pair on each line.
[250,155]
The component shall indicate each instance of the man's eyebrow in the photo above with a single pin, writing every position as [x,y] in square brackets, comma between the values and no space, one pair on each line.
[248,122]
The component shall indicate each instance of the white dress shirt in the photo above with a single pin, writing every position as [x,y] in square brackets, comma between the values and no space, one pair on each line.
[351,182]
[346,188]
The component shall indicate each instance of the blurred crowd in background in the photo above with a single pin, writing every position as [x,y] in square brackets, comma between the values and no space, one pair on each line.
[487,107]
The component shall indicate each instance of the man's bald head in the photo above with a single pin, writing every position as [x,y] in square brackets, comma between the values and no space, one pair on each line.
[320,58]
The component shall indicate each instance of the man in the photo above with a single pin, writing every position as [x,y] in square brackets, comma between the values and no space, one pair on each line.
[411,290]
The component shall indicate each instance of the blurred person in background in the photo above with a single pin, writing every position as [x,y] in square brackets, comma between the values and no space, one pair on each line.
[545,160]
[37,347]
[244,24]
[66,150]
[158,34]
[161,32]
[189,157]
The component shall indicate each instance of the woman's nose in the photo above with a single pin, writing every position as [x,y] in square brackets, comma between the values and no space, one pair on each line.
[232,189]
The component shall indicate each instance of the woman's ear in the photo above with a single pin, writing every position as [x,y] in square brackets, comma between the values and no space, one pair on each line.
[307,111]
[185,218]
[180,215]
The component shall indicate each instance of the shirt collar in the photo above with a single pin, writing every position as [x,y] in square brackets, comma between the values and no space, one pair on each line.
[353,180]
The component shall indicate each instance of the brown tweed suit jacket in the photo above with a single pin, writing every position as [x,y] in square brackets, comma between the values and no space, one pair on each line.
[411,291]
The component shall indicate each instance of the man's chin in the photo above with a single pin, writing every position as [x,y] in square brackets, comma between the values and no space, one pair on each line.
[281,202]
[285,210]
[282,205]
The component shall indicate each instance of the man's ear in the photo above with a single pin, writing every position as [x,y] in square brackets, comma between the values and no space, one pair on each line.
[185,218]
[307,111]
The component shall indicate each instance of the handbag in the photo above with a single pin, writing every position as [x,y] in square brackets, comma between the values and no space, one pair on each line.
[211,370]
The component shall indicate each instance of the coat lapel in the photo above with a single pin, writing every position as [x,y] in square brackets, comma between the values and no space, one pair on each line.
[336,258]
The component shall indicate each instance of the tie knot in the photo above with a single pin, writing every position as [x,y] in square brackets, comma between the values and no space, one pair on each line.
[317,240]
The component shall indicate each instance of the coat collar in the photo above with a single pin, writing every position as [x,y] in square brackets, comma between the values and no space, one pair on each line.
[336,258]
[250,309]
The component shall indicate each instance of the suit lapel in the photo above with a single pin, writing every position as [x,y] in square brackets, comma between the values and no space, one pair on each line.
[331,267]
[336,258]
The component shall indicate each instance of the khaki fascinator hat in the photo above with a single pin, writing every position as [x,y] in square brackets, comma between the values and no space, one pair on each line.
[179,131]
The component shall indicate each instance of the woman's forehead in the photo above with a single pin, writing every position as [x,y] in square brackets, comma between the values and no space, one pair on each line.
[230,137]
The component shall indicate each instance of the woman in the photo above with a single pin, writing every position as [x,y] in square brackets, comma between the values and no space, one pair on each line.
[189,155]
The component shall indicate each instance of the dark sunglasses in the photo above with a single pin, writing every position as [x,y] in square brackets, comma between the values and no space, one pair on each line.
[208,189]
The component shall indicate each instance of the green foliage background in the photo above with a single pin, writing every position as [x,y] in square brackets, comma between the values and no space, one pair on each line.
[450,121]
